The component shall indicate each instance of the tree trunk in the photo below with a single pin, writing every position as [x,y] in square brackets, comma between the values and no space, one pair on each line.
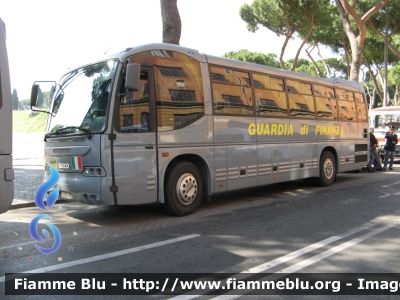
[288,35]
[303,43]
[281,62]
[390,45]
[371,73]
[382,80]
[327,68]
[171,21]
[371,99]
[356,51]
[346,52]
[313,61]
[356,41]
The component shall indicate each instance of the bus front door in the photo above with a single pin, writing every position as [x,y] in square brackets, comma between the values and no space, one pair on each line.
[135,154]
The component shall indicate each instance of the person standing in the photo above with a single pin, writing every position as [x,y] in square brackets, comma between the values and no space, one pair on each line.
[374,157]
[390,146]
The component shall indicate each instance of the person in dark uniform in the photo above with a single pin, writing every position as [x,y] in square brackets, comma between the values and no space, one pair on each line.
[374,157]
[390,146]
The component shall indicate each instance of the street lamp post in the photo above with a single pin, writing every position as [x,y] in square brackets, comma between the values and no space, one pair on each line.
[385,88]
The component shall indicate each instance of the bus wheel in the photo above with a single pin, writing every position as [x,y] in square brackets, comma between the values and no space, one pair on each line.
[327,169]
[183,189]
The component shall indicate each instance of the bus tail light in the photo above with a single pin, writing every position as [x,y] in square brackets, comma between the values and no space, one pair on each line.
[94,172]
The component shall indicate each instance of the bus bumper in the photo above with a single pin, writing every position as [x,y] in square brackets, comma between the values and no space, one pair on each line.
[76,187]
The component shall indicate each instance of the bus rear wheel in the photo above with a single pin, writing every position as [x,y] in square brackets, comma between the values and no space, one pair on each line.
[183,189]
[327,169]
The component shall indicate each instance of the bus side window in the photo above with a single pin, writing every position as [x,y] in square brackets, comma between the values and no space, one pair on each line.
[270,96]
[231,91]
[301,101]
[347,105]
[326,104]
[361,107]
[134,108]
[179,91]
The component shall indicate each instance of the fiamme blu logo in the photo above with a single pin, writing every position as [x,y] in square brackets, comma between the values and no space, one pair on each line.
[50,201]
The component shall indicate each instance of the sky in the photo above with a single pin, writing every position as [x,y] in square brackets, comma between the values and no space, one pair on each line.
[47,37]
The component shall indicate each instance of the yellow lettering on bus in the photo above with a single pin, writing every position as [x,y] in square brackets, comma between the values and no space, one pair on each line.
[329,130]
[266,130]
[273,129]
[260,128]
[290,131]
[270,129]
[281,129]
[252,129]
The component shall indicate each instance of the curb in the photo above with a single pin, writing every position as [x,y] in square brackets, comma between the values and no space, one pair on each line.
[31,204]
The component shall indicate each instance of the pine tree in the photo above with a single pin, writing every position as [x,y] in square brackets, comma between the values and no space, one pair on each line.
[15,100]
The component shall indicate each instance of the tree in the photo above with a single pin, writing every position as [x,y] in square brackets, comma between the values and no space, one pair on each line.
[377,24]
[394,79]
[254,57]
[40,98]
[329,33]
[15,100]
[354,23]
[374,62]
[25,104]
[285,18]
[336,67]
[171,21]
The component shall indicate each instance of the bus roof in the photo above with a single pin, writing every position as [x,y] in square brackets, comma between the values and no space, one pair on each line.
[285,73]
[387,109]
[337,82]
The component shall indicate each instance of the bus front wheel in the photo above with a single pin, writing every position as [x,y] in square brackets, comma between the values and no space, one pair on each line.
[327,169]
[183,189]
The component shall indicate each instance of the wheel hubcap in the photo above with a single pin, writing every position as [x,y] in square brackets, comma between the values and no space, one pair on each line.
[328,169]
[186,189]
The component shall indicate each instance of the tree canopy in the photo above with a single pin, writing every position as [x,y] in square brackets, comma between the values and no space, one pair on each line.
[353,30]
[254,57]
[15,100]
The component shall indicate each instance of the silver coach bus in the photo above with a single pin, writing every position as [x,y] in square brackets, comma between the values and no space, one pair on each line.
[163,123]
[6,170]
[381,118]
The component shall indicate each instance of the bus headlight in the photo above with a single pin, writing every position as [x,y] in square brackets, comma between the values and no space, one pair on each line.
[94,172]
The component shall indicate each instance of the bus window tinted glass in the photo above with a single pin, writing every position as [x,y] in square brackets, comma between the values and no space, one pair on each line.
[361,107]
[227,75]
[300,104]
[347,110]
[134,108]
[342,94]
[325,103]
[270,102]
[179,90]
[231,91]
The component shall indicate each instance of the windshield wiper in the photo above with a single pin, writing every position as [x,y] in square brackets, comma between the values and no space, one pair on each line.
[69,129]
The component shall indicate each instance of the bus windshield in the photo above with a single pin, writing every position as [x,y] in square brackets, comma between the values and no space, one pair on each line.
[81,102]
[385,119]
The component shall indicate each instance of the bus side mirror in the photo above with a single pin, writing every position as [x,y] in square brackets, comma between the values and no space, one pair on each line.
[34,96]
[132,77]
[41,95]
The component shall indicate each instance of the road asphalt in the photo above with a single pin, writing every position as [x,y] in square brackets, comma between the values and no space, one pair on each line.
[28,167]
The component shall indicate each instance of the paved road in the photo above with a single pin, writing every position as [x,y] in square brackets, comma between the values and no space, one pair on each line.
[351,226]
[28,166]
[27,180]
